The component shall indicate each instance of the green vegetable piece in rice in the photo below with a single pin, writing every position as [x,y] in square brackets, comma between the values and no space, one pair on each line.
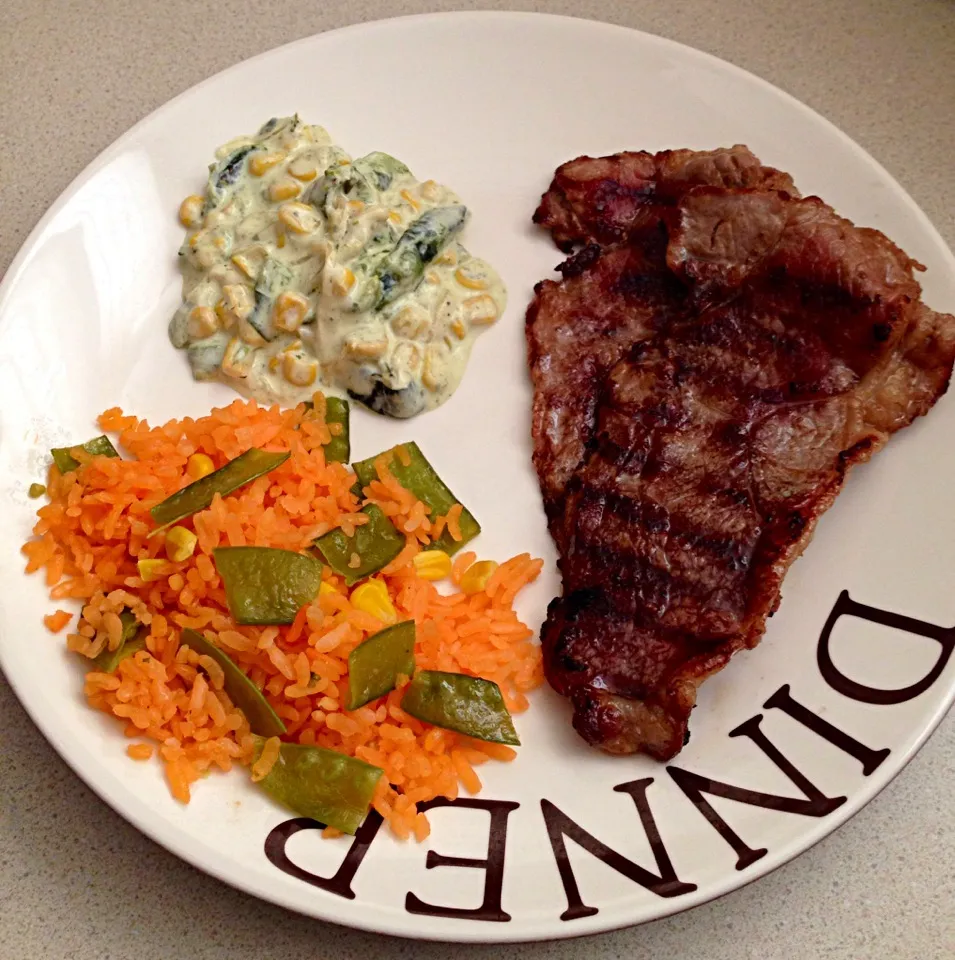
[338,449]
[327,786]
[374,665]
[133,640]
[375,543]
[198,495]
[459,702]
[263,720]
[97,447]
[421,479]
[264,585]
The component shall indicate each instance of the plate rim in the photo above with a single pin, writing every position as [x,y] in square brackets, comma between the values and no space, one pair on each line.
[153,828]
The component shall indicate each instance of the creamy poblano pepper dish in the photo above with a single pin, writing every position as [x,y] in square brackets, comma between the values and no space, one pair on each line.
[303,268]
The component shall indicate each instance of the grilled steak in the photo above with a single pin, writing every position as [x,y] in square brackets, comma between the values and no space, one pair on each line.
[714,360]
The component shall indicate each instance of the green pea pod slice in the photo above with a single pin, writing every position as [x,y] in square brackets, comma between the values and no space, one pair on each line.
[462,703]
[377,543]
[198,495]
[338,449]
[322,784]
[264,585]
[133,640]
[374,665]
[421,479]
[97,447]
[263,720]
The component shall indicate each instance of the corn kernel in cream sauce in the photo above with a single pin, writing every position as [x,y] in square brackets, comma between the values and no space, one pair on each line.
[304,268]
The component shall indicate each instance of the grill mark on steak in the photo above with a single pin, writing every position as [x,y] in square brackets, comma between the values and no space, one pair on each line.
[713,362]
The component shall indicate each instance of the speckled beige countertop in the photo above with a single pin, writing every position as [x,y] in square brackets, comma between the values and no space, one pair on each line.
[76,881]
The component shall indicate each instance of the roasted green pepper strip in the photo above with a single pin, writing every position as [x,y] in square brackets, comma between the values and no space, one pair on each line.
[133,640]
[322,784]
[263,720]
[97,447]
[197,496]
[462,703]
[377,543]
[373,666]
[264,585]
[420,478]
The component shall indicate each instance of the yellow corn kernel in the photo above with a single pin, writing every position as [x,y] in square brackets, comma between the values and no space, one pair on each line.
[430,190]
[356,206]
[326,588]
[459,328]
[432,565]
[194,238]
[480,309]
[394,216]
[249,261]
[406,196]
[248,334]
[274,363]
[225,315]
[180,544]
[202,323]
[411,322]
[298,371]
[406,356]
[220,242]
[280,240]
[199,466]
[433,277]
[190,210]
[299,217]
[341,285]
[237,361]
[476,576]
[289,311]
[372,597]
[303,169]
[238,300]
[284,190]
[261,163]
[471,279]
[358,347]
[449,257]
[152,570]
[432,361]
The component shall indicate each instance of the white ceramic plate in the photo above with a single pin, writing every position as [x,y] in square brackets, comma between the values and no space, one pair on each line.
[490,104]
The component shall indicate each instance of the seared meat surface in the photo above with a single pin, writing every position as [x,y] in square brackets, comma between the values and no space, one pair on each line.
[716,357]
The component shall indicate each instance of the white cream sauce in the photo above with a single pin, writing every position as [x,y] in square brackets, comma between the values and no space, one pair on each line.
[303,268]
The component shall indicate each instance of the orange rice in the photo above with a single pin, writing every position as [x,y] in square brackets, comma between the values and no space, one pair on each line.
[95,528]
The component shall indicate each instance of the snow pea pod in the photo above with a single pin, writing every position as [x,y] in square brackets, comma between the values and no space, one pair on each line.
[97,447]
[322,784]
[263,720]
[197,496]
[420,478]
[462,703]
[133,640]
[376,544]
[264,585]
[374,665]
[338,449]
